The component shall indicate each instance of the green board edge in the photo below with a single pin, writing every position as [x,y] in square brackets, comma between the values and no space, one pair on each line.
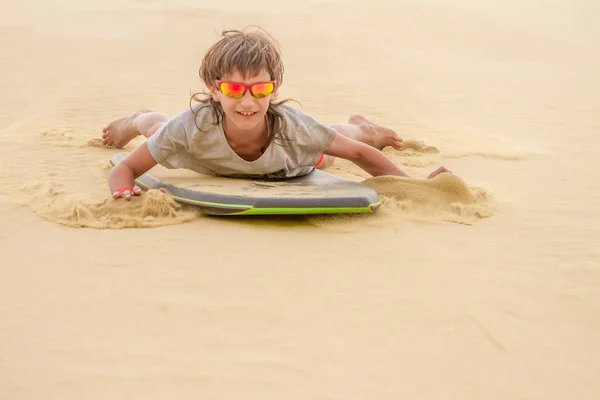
[248,209]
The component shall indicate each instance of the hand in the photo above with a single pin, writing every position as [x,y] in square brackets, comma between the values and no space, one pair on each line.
[127,193]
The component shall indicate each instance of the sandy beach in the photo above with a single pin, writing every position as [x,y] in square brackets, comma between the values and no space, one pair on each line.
[482,285]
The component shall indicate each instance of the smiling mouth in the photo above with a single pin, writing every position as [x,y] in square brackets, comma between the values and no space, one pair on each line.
[246,114]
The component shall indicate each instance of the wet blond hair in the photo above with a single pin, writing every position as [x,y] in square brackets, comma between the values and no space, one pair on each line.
[249,52]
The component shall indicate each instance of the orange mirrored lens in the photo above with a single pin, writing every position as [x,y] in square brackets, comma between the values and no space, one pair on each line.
[232,89]
[262,90]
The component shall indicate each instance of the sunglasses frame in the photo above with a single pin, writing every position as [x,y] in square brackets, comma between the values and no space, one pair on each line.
[246,87]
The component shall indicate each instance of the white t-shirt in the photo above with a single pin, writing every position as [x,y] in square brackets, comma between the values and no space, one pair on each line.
[180,144]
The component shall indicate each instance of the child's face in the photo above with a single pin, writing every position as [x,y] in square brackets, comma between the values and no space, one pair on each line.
[246,113]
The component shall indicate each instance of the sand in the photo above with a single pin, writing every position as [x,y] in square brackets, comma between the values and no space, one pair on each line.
[481,285]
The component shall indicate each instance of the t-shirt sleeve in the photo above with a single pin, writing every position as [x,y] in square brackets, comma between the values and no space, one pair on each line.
[323,137]
[169,145]
[310,134]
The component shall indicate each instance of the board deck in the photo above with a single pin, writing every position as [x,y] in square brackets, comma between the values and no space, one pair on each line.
[318,192]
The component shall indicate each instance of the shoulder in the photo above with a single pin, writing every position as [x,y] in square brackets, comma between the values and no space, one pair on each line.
[294,114]
[304,130]
[197,117]
[298,121]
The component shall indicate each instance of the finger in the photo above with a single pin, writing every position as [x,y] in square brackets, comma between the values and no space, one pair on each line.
[105,129]
[104,135]
[163,190]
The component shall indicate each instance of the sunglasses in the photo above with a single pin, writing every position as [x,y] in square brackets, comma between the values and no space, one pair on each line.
[236,90]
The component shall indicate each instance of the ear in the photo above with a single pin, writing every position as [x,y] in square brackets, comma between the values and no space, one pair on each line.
[214,94]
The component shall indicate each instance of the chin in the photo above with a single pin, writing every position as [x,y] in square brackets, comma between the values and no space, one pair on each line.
[244,126]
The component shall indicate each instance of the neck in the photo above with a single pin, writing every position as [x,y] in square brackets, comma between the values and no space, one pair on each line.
[233,134]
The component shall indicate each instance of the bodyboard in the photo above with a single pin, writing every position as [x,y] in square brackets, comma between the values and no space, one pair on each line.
[318,192]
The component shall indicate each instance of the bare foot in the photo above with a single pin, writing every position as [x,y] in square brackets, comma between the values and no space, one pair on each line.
[376,135]
[121,131]
[437,172]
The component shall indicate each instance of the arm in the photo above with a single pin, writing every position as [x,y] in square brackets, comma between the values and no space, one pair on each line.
[123,174]
[368,158]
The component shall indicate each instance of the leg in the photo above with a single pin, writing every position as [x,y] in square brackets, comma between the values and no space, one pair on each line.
[121,131]
[361,129]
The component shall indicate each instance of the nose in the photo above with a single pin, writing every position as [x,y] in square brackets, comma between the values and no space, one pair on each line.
[247,99]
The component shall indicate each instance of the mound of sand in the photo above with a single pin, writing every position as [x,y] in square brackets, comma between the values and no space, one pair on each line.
[153,208]
[443,198]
